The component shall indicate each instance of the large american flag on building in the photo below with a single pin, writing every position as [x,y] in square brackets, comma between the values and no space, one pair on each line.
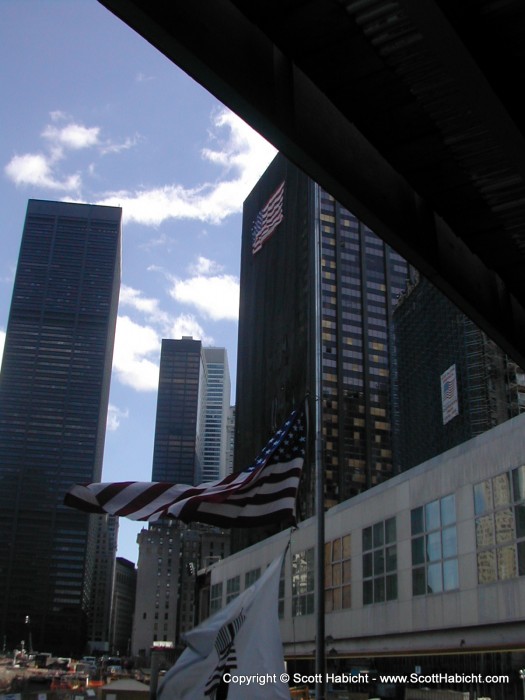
[263,493]
[268,218]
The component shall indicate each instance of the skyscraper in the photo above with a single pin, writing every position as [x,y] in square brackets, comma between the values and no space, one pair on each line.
[218,389]
[452,381]
[99,613]
[122,606]
[360,277]
[54,391]
[178,447]
[190,447]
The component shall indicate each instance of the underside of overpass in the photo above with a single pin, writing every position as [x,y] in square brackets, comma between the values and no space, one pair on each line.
[409,112]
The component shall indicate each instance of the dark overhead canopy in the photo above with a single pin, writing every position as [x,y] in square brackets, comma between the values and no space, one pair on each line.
[410,112]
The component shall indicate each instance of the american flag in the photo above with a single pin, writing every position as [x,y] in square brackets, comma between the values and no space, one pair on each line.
[268,219]
[263,493]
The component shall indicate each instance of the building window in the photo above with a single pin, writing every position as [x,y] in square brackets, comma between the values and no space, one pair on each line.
[216,597]
[434,547]
[251,577]
[499,505]
[380,562]
[233,588]
[303,583]
[337,574]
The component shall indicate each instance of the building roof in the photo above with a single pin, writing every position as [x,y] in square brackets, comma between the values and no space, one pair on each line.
[408,111]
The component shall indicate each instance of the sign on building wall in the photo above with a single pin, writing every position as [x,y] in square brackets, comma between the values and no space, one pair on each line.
[449,394]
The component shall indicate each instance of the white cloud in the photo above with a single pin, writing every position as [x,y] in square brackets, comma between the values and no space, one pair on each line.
[149,307]
[74,136]
[41,169]
[205,266]
[135,358]
[115,415]
[217,297]
[186,324]
[118,147]
[243,156]
[137,343]
[36,169]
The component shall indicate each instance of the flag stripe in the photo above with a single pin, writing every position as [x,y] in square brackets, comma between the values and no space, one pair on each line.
[268,487]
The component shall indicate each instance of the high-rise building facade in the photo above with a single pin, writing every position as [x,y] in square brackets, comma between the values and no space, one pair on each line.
[178,447]
[54,392]
[190,447]
[359,279]
[452,382]
[104,543]
[230,439]
[122,606]
[218,390]
[170,554]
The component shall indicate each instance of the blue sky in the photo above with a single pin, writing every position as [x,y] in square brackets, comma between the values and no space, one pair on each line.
[90,112]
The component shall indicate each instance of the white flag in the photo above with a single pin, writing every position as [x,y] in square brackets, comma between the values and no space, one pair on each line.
[236,653]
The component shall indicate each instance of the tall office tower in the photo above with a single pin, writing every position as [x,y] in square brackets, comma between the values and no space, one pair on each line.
[99,612]
[54,390]
[218,390]
[452,381]
[230,439]
[178,446]
[360,277]
[122,607]
[190,447]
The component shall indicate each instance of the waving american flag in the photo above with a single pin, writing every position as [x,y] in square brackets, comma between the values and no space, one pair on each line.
[263,493]
[267,220]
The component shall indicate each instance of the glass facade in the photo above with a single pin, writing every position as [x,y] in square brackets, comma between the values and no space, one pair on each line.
[431,336]
[434,547]
[338,574]
[303,583]
[499,505]
[380,562]
[177,451]
[233,588]
[218,390]
[54,390]
[360,279]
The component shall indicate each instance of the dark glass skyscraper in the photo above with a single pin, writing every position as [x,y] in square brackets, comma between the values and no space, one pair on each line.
[360,277]
[177,452]
[437,346]
[54,392]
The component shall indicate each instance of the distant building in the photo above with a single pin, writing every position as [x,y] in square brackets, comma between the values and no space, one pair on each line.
[190,447]
[218,395]
[54,391]
[99,612]
[178,446]
[452,382]
[360,278]
[230,439]
[170,554]
[123,606]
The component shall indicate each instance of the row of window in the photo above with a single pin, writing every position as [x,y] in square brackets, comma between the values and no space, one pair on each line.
[499,505]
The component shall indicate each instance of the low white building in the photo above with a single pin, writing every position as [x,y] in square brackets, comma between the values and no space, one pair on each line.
[431,562]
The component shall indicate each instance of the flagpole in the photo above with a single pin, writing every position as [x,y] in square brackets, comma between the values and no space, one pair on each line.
[320,661]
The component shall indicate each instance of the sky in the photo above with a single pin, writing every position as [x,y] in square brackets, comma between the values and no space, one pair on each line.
[92,113]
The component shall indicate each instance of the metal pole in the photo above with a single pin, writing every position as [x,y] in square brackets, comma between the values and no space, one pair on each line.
[320,661]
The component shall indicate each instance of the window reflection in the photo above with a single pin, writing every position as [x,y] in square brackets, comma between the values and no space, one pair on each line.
[500,529]
[434,547]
